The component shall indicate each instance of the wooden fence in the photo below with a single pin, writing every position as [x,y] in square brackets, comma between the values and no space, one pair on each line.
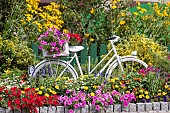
[94,52]
[154,107]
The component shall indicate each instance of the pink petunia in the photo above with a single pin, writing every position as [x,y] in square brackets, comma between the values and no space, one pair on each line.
[71,111]
[40,47]
[43,42]
[97,107]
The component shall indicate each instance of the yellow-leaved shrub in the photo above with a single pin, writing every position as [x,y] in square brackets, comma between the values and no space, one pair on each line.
[146,48]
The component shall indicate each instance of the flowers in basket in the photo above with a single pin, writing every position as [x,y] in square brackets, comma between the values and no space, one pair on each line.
[75,39]
[53,41]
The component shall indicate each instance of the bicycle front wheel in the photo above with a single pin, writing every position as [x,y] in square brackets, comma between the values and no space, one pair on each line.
[54,68]
[129,65]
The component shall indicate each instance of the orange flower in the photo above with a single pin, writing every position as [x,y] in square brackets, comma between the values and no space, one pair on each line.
[123,81]
[134,79]
[124,76]
[139,79]
[128,81]
[143,75]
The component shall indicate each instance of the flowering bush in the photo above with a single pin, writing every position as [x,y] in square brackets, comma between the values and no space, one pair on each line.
[52,41]
[141,84]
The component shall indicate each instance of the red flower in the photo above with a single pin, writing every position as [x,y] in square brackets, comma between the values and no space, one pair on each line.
[9,103]
[17,101]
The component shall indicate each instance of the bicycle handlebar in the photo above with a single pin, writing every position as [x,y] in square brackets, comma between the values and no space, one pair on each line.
[114,38]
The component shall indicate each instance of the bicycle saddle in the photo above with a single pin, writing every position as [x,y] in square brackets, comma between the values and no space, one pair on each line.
[75,48]
[113,38]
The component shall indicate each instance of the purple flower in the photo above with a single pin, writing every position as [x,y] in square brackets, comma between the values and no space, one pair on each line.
[40,47]
[126,96]
[93,102]
[106,104]
[43,42]
[69,103]
[53,44]
[61,42]
[76,106]
[97,107]
[83,103]
[51,50]
[46,33]
[111,101]
[41,36]
[98,92]
[65,97]
[68,91]
[125,103]
[56,49]
[71,111]
[57,32]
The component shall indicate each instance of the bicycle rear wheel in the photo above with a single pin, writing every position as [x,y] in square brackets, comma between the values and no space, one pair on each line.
[54,68]
[130,65]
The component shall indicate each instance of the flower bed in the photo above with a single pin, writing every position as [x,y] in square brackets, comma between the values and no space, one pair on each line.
[131,92]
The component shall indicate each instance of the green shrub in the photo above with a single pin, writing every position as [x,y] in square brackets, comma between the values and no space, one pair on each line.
[15,54]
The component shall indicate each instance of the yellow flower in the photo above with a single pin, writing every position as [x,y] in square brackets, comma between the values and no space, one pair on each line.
[159,94]
[65,31]
[92,94]
[86,88]
[113,21]
[37,89]
[92,11]
[116,86]
[143,10]
[123,14]
[87,35]
[166,86]
[147,97]
[40,92]
[91,39]
[42,87]
[116,78]
[114,7]
[53,92]
[113,80]
[47,95]
[57,87]
[122,22]
[127,91]
[138,8]
[159,90]
[164,93]
[149,3]
[140,96]
[7,71]
[146,92]
[95,86]
[138,3]
[141,91]
[23,92]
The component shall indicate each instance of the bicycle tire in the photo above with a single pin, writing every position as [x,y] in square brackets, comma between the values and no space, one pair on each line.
[114,66]
[43,68]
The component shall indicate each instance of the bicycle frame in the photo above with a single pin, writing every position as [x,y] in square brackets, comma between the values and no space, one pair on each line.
[107,64]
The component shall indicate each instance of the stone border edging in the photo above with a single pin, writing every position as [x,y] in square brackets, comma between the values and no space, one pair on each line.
[139,107]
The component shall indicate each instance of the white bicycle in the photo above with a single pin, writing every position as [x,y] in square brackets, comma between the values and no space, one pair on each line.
[115,64]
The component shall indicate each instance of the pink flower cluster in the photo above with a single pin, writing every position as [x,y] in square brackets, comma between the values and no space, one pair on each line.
[100,99]
[75,100]
[52,40]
